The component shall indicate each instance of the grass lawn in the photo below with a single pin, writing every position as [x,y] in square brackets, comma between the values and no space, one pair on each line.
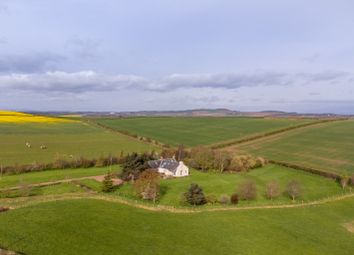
[198,130]
[62,139]
[53,175]
[98,227]
[314,187]
[329,147]
[43,191]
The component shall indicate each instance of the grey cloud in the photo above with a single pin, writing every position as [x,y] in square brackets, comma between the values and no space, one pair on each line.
[89,81]
[29,63]
[323,76]
[226,81]
[64,83]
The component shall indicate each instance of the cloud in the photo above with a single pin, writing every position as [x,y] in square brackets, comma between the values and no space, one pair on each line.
[67,83]
[29,63]
[90,81]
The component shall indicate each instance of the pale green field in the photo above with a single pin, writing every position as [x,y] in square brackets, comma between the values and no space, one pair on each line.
[62,139]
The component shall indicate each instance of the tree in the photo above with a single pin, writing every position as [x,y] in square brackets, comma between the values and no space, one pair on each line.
[195,195]
[293,189]
[272,190]
[135,164]
[221,160]
[344,180]
[247,190]
[107,184]
[202,158]
[147,185]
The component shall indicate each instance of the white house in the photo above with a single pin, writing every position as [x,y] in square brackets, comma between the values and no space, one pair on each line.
[170,167]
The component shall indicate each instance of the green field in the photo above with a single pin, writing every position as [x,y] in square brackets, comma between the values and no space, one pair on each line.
[313,187]
[328,146]
[195,131]
[98,227]
[68,140]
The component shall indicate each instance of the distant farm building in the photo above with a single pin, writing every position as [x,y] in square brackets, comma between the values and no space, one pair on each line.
[170,167]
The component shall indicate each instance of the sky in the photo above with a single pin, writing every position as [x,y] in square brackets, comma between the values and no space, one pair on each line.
[113,55]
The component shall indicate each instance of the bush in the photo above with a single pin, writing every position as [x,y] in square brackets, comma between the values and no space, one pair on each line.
[247,190]
[107,184]
[234,199]
[224,199]
[211,199]
[195,195]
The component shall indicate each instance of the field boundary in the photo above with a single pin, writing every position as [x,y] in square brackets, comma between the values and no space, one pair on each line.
[164,208]
[271,133]
[311,170]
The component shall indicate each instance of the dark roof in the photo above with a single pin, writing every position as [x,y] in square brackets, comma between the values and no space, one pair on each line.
[169,164]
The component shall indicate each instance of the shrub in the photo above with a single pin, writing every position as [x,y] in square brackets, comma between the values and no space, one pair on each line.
[234,199]
[3,209]
[211,199]
[272,190]
[195,195]
[247,190]
[107,184]
[224,199]
[293,189]
[147,185]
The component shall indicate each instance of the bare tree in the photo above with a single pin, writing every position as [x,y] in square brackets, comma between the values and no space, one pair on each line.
[247,190]
[221,160]
[272,190]
[344,180]
[293,189]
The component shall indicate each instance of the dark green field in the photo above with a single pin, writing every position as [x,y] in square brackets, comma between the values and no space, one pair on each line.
[62,139]
[327,146]
[198,130]
[98,227]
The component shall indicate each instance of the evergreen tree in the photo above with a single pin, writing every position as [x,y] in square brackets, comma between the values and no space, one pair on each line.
[195,195]
[107,184]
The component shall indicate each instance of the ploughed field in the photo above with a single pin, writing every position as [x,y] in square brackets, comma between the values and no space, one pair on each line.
[328,146]
[97,227]
[66,139]
[193,131]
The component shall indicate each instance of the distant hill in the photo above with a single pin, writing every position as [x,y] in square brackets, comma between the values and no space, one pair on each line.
[219,112]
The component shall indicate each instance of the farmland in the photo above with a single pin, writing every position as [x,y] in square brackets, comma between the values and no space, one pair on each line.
[62,139]
[98,227]
[329,147]
[65,212]
[198,130]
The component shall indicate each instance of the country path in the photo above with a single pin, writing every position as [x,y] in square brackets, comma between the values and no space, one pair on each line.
[99,178]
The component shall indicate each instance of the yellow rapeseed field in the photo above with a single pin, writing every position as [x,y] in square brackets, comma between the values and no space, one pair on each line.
[19,117]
